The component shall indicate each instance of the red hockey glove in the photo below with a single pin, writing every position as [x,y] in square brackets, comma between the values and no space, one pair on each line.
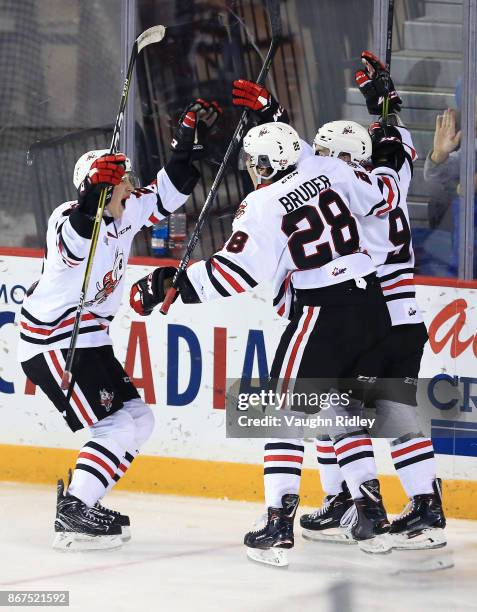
[150,291]
[189,139]
[105,171]
[374,83]
[108,170]
[258,99]
[388,149]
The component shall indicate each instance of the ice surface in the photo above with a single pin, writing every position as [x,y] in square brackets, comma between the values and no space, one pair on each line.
[187,555]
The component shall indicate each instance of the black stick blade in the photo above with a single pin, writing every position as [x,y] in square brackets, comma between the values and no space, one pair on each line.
[273,7]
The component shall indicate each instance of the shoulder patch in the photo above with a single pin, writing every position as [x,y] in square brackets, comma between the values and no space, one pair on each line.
[68,211]
[143,190]
[240,210]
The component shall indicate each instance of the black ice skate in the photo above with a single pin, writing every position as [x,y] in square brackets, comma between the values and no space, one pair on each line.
[269,544]
[77,528]
[328,523]
[371,525]
[421,524]
[116,517]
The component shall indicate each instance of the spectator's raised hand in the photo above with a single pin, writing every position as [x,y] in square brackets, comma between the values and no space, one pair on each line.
[446,139]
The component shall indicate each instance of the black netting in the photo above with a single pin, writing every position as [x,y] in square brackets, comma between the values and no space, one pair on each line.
[209,44]
[61,73]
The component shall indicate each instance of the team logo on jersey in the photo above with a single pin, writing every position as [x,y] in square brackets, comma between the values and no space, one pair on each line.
[110,280]
[240,210]
[106,399]
[338,271]
[278,114]
[411,312]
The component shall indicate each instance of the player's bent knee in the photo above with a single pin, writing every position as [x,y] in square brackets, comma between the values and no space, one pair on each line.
[120,426]
[143,419]
[397,420]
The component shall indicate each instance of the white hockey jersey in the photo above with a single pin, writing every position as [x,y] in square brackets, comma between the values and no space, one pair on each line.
[307,221]
[388,240]
[48,313]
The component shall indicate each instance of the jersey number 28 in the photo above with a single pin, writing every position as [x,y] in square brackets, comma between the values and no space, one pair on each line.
[344,231]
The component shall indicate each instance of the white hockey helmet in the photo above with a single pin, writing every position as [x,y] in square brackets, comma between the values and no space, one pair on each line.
[83,165]
[344,137]
[274,145]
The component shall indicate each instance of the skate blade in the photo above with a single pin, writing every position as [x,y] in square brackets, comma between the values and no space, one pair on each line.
[379,545]
[75,542]
[126,534]
[337,536]
[278,557]
[425,540]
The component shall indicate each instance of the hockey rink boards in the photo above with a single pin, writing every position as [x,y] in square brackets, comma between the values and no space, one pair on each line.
[194,541]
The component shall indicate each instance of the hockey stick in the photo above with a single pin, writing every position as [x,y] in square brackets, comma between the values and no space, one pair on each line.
[389,44]
[275,26]
[148,37]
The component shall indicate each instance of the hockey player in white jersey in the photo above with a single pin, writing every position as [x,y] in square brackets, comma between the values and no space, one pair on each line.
[101,397]
[283,457]
[305,219]
[282,467]
[389,243]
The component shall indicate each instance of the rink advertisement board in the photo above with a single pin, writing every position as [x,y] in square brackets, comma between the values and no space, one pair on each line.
[181,362]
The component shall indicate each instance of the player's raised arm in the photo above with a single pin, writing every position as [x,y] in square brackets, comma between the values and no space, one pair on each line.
[375,83]
[74,224]
[253,251]
[263,104]
[247,258]
[176,181]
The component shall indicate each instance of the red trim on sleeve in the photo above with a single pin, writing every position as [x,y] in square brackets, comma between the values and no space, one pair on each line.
[230,279]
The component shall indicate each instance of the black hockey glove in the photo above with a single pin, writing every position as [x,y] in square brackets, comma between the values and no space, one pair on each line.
[375,83]
[189,142]
[388,149]
[151,290]
[258,99]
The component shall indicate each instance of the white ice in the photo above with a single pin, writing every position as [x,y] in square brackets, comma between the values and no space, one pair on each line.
[187,555]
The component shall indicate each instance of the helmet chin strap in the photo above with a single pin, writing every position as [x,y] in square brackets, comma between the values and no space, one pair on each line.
[261,178]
